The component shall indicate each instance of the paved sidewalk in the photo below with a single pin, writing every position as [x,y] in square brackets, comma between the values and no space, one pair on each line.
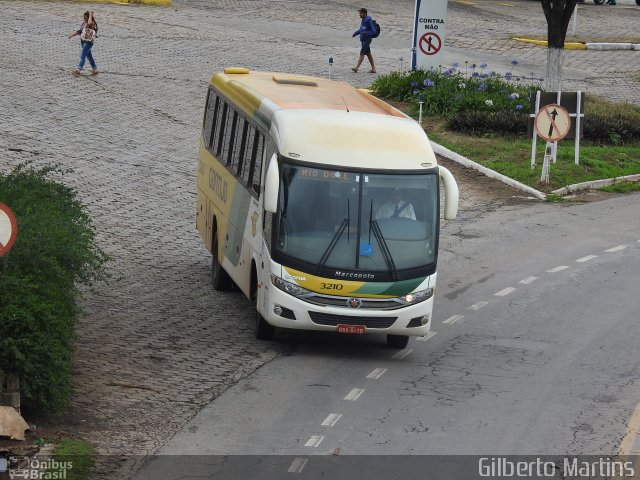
[157,344]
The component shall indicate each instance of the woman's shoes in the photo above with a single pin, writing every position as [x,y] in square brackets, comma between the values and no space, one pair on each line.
[372,71]
[355,70]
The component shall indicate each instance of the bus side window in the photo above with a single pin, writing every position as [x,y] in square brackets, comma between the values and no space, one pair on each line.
[231,142]
[230,121]
[241,145]
[247,172]
[207,123]
[214,122]
[218,139]
[257,165]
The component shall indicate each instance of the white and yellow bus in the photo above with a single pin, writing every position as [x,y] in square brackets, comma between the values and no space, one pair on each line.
[321,203]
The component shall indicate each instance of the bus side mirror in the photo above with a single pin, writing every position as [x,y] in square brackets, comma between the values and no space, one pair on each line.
[451,193]
[271,186]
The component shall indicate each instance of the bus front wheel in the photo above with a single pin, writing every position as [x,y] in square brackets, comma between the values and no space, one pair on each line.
[397,341]
[219,277]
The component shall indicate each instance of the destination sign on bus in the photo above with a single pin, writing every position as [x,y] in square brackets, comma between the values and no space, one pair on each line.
[327,174]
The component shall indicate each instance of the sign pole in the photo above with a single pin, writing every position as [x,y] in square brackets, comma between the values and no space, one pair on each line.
[544,177]
[578,114]
[535,135]
[555,145]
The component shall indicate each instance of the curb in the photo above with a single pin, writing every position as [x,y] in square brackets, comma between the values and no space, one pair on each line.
[585,46]
[451,155]
[162,3]
[613,46]
[567,45]
[577,187]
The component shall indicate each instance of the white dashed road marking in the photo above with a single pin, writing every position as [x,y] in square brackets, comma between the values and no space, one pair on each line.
[528,280]
[426,337]
[504,292]
[314,441]
[402,353]
[478,306]
[616,249]
[587,258]
[557,269]
[453,319]
[377,373]
[354,394]
[331,419]
[298,465]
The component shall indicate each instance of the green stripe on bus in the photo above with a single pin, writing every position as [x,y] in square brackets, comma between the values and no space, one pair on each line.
[394,289]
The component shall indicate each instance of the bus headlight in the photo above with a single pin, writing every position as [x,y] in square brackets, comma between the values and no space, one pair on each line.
[417,297]
[288,287]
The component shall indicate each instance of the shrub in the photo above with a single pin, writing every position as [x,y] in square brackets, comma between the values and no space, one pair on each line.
[488,122]
[609,129]
[54,254]
[449,92]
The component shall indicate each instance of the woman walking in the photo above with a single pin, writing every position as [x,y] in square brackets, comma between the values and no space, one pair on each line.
[88,32]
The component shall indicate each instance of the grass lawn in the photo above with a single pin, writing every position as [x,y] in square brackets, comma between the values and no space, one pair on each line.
[76,454]
[511,156]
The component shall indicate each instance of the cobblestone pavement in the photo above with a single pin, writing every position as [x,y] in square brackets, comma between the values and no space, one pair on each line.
[156,344]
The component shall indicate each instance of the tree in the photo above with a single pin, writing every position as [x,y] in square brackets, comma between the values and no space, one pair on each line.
[558,14]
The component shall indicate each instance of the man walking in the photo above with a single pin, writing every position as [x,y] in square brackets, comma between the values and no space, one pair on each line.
[366,31]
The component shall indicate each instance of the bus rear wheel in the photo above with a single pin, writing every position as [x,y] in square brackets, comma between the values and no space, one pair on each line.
[397,341]
[219,277]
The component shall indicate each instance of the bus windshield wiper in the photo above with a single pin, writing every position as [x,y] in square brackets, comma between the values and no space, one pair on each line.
[384,248]
[334,240]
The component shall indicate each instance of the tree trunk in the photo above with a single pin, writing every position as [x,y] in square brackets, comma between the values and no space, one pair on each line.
[558,13]
[555,62]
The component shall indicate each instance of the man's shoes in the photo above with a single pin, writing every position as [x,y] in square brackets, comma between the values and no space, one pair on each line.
[94,72]
[76,72]
[372,71]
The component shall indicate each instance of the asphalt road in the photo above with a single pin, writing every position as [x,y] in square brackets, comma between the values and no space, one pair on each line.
[535,352]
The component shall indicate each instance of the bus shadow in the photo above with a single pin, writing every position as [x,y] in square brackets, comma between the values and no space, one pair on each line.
[334,345]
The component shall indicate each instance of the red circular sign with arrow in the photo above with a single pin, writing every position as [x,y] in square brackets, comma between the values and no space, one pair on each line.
[552,122]
[430,43]
[8,229]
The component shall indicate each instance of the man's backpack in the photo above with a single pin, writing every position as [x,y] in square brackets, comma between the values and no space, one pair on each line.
[377,32]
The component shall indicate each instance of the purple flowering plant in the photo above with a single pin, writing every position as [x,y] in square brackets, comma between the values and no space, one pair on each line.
[447,91]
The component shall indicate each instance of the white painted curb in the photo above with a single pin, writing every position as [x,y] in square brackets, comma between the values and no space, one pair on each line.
[595,184]
[610,46]
[451,155]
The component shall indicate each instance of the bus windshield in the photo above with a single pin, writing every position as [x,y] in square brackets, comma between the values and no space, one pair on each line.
[345,220]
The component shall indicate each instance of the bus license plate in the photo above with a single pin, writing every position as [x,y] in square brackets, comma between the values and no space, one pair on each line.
[351,328]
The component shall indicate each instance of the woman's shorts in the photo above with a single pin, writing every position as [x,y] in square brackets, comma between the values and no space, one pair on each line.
[366,47]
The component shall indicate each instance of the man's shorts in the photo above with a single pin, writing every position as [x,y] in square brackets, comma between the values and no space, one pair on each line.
[366,46]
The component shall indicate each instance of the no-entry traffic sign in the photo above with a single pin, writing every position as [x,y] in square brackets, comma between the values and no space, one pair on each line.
[430,43]
[8,229]
[552,122]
